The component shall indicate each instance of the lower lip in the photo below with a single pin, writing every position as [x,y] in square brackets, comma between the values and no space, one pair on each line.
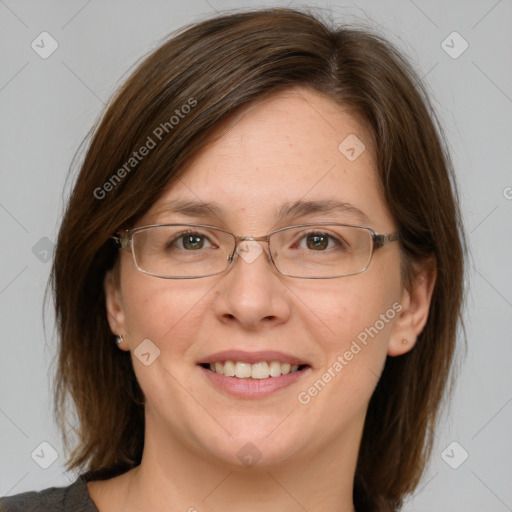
[253,388]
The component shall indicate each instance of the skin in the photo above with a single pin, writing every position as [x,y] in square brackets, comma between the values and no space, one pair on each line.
[282,149]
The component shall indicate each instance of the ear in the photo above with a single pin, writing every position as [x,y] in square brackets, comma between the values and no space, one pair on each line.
[114,305]
[415,302]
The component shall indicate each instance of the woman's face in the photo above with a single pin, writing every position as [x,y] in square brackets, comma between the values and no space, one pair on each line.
[282,151]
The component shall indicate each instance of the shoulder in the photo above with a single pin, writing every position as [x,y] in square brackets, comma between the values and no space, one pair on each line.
[74,497]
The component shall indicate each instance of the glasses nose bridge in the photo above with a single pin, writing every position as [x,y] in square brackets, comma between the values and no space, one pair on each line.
[242,238]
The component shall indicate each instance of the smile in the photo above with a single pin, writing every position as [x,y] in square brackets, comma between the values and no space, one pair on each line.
[258,370]
[247,374]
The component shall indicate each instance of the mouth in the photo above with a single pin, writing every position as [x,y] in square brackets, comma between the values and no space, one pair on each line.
[247,375]
[259,370]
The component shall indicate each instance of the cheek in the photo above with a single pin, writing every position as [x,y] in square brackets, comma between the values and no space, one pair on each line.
[351,325]
[170,315]
[166,312]
[338,311]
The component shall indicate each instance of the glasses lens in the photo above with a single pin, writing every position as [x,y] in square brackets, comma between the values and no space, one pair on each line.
[321,250]
[182,250]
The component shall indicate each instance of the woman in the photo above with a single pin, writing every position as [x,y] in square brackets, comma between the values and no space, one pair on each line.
[258,279]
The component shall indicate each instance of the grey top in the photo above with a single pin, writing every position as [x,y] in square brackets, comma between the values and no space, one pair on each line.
[74,497]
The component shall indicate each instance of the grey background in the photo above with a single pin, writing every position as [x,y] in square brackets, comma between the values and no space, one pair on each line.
[48,105]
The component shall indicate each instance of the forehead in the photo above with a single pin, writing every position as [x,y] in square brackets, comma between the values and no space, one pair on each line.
[295,145]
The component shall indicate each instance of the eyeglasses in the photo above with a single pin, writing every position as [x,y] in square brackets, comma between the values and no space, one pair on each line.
[309,251]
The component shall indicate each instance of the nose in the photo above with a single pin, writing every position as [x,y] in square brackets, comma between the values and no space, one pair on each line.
[252,292]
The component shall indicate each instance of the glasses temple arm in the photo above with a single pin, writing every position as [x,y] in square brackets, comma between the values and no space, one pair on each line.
[381,240]
[121,240]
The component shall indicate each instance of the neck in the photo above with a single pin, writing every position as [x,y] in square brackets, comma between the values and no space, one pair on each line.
[174,472]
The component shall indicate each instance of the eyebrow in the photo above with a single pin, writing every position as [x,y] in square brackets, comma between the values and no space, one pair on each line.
[289,210]
[325,206]
[190,208]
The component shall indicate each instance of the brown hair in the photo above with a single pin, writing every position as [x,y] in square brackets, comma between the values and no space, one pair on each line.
[217,67]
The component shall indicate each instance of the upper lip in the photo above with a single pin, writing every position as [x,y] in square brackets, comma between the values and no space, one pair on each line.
[251,357]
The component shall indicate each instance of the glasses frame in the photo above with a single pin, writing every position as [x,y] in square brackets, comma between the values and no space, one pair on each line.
[124,241]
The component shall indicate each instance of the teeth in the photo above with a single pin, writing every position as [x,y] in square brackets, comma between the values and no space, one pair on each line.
[275,368]
[229,368]
[242,370]
[260,370]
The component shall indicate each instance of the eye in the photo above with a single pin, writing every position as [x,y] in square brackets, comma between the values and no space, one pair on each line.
[319,241]
[193,242]
[190,242]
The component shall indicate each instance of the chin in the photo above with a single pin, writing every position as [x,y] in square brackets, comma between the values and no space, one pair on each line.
[256,452]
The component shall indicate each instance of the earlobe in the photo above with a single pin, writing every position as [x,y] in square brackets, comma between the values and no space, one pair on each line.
[414,314]
[114,307]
